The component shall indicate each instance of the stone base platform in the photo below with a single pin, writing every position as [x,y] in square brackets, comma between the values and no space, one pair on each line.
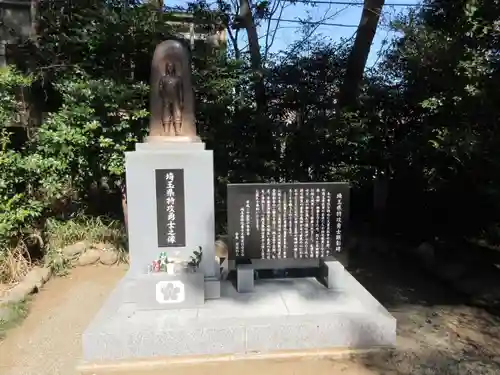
[282,314]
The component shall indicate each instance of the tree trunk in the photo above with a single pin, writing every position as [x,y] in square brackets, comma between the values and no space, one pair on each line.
[356,63]
[255,56]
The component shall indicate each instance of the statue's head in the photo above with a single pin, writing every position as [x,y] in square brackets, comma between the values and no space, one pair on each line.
[169,68]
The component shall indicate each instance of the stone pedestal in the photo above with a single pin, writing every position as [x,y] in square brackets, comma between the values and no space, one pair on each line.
[161,291]
[170,200]
[280,314]
[176,219]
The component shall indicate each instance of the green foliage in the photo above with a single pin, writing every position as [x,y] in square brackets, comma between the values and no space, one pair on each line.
[12,84]
[108,39]
[195,259]
[21,173]
[98,121]
[427,117]
[78,150]
[442,128]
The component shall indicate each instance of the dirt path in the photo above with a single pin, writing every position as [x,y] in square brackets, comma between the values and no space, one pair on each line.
[48,341]
[437,333]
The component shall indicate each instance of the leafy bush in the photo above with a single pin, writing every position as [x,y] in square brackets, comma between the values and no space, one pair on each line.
[21,188]
[77,149]
[98,121]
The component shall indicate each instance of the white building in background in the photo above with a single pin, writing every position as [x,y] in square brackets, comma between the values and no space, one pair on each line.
[17,21]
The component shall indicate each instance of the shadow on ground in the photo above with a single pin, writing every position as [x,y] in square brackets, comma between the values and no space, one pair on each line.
[396,280]
[438,332]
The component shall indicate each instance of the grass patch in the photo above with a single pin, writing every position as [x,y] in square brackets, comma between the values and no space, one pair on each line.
[14,263]
[11,315]
[93,229]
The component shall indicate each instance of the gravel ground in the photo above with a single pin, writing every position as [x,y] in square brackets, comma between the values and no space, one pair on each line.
[48,341]
[437,332]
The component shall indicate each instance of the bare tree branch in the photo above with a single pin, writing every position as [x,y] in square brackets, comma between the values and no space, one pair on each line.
[244,49]
[270,43]
[312,29]
[234,41]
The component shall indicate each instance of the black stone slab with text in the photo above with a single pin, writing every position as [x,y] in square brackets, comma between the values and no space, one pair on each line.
[170,208]
[287,221]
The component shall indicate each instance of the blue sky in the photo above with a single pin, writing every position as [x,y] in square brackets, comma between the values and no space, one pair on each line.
[349,15]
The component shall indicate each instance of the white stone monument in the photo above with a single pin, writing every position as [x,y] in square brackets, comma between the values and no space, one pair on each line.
[170,200]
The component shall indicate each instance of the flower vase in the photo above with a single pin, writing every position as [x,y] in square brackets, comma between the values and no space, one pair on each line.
[171,268]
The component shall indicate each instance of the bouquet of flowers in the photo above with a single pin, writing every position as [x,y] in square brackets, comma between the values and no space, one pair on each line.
[163,264]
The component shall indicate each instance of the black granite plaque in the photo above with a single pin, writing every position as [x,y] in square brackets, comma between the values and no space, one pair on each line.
[287,221]
[170,208]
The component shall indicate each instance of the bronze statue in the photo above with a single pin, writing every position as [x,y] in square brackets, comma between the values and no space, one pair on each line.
[170,90]
[172,97]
